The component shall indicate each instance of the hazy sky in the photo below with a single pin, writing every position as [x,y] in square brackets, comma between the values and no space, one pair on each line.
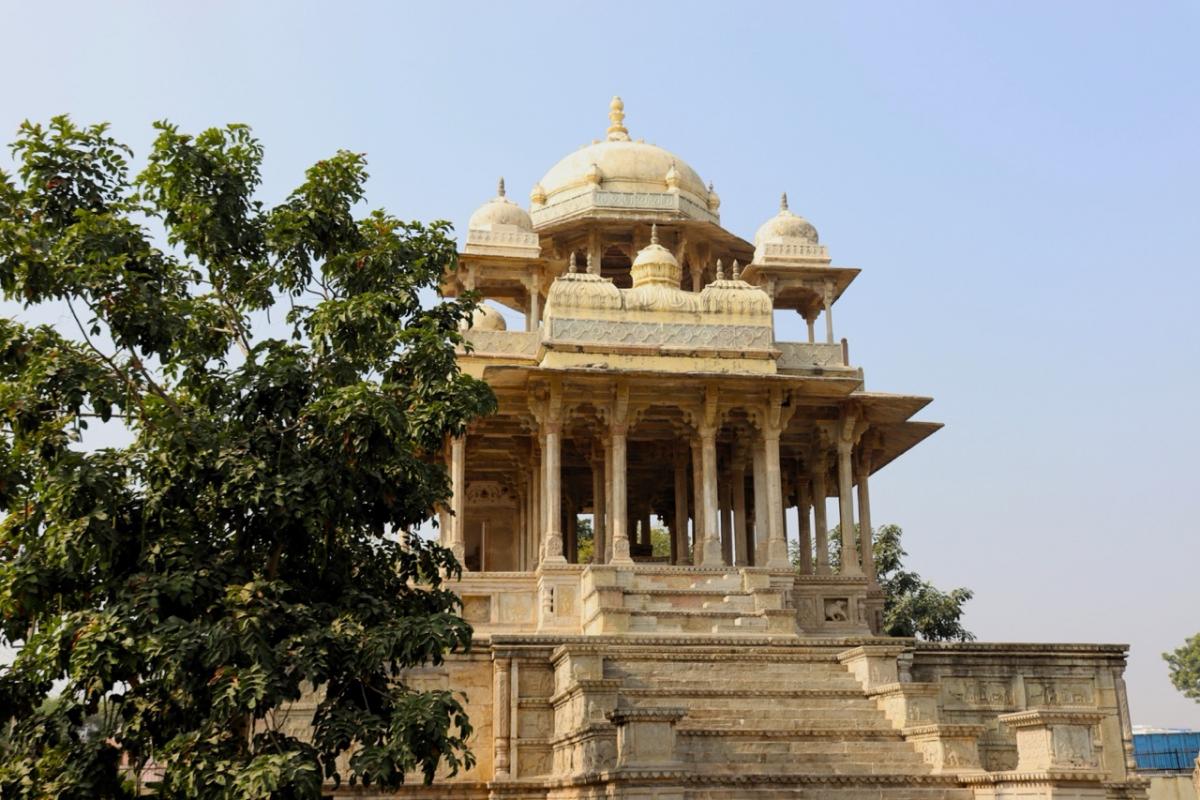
[1018,182]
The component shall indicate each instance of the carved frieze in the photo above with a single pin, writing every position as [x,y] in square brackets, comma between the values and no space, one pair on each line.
[727,337]
[982,693]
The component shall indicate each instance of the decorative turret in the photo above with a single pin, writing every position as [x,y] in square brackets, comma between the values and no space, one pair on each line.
[501,227]
[616,119]
[787,237]
[655,265]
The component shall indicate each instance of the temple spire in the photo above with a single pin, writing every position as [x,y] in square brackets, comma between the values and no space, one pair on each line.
[783,206]
[616,119]
[500,187]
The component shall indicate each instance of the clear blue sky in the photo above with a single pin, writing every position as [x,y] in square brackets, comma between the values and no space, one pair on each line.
[1018,182]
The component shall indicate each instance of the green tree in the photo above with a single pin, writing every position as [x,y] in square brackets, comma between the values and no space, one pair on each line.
[253,540]
[586,539]
[1184,664]
[912,606]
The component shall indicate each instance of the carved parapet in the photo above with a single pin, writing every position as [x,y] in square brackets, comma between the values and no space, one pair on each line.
[947,748]
[1058,739]
[874,665]
[908,705]
[646,737]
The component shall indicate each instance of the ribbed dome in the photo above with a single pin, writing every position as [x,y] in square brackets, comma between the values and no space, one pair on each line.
[786,226]
[499,214]
[621,164]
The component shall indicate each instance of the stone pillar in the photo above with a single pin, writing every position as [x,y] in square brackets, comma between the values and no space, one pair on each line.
[619,509]
[821,528]
[776,545]
[552,549]
[761,518]
[708,468]
[737,484]
[850,565]
[866,534]
[697,504]
[725,498]
[607,552]
[538,517]
[803,512]
[458,500]
[681,508]
[598,512]
[810,322]
[501,715]
[535,298]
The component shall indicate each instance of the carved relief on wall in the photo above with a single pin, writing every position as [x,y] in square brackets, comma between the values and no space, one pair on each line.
[662,333]
[490,493]
[534,681]
[516,608]
[534,723]
[987,693]
[1073,747]
[837,609]
[1049,693]
[477,608]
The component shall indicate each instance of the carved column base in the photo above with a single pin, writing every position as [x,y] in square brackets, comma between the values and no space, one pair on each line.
[949,749]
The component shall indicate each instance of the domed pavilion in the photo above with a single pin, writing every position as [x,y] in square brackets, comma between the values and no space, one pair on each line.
[645,524]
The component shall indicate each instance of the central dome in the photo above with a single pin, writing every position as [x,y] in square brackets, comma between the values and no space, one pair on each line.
[622,165]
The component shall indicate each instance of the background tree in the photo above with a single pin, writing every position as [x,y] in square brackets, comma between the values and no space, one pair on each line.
[912,606]
[252,541]
[1184,665]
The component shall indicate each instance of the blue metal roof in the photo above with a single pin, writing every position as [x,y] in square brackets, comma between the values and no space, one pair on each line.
[1167,751]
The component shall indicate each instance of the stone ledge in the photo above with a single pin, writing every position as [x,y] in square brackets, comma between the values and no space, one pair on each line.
[1061,715]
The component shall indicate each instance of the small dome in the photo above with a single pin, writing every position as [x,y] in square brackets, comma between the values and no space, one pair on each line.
[784,226]
[500,214]
[655,264]
[487,318]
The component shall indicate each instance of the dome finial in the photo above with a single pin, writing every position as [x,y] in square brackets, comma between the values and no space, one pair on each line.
[654,234]
[720,270]
[737,271]
[590,268]
[616,118]
[571,264]
[500,187]
[783,202]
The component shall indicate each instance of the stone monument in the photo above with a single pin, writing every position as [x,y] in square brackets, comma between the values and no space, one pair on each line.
[648,382]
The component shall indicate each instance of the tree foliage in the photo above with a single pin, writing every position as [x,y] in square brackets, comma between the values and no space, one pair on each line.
[912,606]
[252,543]
[1184,665]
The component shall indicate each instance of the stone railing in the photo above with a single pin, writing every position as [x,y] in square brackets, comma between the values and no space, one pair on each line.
[505,344]
[803,355]
[621,201]
[789,251]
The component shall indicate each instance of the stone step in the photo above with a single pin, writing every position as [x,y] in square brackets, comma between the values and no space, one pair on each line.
[772,786]
[728,751]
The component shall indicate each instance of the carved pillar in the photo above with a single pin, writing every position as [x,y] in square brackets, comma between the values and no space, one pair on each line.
[737,485]
[552,550]
[810,321]
[681,508]
[866,534]
[608,499]
[761,517]
[774,420]
[803,512]
[849,430]
[821,527]
[458,490]
[725,498]
[708,469]
[534,317]
[697,504]
[598,515]
[501,715]
[619,510]
[538,517]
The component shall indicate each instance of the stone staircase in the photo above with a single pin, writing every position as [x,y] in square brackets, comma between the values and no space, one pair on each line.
[778,722]
[683,602]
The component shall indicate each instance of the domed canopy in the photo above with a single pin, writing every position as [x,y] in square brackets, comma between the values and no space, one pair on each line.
[620,164]
[487,318]
[655,264]
[500,227]
[785,227]
[500,214]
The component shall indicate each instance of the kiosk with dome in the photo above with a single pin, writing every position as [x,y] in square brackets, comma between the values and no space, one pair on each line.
[646,389]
